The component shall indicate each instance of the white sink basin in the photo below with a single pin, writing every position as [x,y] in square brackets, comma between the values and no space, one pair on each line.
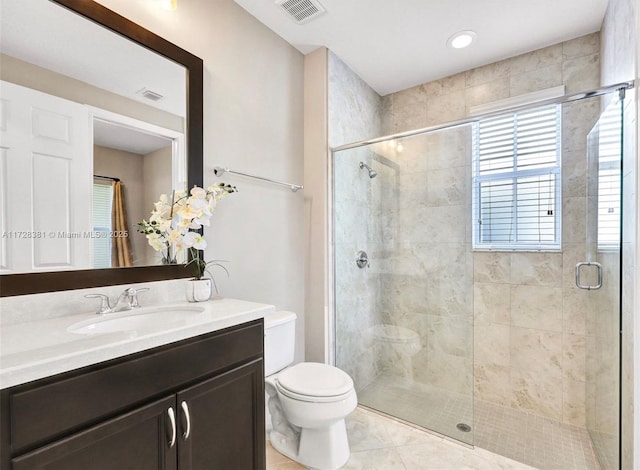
[142,320]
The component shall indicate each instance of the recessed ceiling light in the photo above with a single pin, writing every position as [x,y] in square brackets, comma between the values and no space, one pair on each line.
[461,39]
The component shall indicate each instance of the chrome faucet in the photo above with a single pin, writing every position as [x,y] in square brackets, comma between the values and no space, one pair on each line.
[124,300]
[127,300]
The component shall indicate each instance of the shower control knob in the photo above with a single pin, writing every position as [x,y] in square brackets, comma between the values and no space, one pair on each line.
[362,259]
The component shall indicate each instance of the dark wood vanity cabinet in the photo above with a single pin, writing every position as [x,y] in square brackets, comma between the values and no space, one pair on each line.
[193,405]
[135,440]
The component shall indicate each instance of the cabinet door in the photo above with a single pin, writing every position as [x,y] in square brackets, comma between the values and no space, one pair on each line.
[138,440]
[222,421]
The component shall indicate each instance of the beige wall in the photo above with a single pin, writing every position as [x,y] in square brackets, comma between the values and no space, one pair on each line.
[253,122]
[317,255]
[37,78]
[129,168]
[144,177]
[156,178]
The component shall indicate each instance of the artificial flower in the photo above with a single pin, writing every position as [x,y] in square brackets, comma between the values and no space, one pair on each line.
[173,223]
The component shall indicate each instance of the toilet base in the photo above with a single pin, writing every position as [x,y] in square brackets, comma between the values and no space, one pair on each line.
[283,444]
[324,448]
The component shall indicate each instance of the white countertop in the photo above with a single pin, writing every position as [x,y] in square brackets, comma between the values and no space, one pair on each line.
[41,348]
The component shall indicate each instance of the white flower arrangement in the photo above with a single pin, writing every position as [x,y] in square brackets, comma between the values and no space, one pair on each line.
[174,224]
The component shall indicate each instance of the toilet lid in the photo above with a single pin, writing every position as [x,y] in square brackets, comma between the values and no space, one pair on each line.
[315,380]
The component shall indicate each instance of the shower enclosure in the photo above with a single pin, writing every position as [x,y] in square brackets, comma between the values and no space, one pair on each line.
[493,346]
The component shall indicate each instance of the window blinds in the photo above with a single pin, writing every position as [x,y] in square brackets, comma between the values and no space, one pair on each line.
[609,177]
[102,201]
[517,183]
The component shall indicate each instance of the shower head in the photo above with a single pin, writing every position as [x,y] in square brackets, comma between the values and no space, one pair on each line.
[372,173]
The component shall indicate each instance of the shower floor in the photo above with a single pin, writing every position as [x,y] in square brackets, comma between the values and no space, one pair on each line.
[539,442]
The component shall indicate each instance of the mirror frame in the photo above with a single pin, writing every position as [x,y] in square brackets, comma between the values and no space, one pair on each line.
[40,282]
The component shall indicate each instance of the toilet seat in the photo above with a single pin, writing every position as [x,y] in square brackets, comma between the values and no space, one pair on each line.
[314,382]
[311,398]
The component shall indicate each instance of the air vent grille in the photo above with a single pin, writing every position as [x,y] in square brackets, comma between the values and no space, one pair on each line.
[301,11]
[150,95]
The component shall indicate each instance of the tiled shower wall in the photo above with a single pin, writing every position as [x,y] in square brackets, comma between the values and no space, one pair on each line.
[427,272]
[354,114]
[529,350]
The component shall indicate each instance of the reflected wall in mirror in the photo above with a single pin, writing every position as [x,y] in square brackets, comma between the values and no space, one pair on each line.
[146,161]
[98,118]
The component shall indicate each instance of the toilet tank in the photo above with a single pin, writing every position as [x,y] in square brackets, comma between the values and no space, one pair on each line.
[279,341]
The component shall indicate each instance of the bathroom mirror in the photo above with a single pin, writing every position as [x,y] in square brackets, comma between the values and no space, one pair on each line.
[148,102]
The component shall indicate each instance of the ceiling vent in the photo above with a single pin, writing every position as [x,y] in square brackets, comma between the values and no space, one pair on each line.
[150,95]
[301,11]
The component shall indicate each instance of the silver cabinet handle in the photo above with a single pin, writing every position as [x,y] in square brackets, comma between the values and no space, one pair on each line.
[578,271]
[172,418]
[185,410]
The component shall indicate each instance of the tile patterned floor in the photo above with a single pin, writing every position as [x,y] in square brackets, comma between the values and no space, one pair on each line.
[542,443]
[530,439]
[606,446]
[424,405]
[380,443]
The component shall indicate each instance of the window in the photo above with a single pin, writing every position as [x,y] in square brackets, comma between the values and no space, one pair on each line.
[517,181]
[102,200]
[609,153]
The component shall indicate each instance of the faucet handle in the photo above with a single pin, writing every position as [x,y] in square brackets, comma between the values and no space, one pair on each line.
[133,293]
[104,302]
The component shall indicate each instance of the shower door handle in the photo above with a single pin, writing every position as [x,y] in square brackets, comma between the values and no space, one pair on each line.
[578,271]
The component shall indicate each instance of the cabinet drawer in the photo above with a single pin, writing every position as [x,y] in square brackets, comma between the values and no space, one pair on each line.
[44,411]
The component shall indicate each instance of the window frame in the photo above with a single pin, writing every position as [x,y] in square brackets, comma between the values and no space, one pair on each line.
[515,174]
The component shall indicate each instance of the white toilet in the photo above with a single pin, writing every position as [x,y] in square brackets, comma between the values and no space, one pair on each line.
[307,403]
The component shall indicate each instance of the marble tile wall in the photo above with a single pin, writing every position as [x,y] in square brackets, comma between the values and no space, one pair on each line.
[530,319]
[529,333]
[573,63]
[428,284]
[354,114]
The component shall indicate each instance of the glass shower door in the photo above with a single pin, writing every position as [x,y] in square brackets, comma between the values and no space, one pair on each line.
[404,277]
[599,276]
